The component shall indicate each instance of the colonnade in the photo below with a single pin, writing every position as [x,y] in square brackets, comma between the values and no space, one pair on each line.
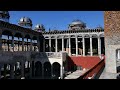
[76,43]
[18,42]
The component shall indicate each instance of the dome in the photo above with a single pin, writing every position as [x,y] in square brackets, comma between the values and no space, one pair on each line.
[39,27]
[4,16]
[76,25]
[26,22]
[77,22]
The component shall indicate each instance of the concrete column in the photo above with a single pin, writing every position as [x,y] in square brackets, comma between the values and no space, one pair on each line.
[43,45]
[12,71]
[83,43]
[27,45]
[69,46]
[43,71]
[31,45]
[5,71]
[13,43]
[61,72]
[33,68]
[22,69]
[30,69]
[99,46]
[91,51]
[0,41]
[50,45]
[56,48]
[8,44]
[51,71]
[18,45]
[62,43]
[22,43]
[38,44]
[0,72]
[76,39]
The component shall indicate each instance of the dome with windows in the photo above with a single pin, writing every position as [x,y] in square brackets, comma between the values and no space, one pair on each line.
[74,22]
[4,16]
[39,28]
[25,22]
[77,24]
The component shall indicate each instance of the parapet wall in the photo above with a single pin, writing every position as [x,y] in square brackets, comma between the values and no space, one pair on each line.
[13,57]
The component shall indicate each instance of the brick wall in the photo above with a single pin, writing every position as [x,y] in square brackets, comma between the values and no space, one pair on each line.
[112,39]
[112,27]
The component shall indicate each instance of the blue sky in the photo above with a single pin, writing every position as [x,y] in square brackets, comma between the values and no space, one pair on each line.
[59,19]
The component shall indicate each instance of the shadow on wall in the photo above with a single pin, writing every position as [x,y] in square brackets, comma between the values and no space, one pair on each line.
[71,66]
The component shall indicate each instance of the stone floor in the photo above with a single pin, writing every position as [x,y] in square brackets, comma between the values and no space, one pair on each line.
[75,74]
[107,75]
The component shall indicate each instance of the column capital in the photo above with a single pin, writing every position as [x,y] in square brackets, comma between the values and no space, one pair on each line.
[76,36]
[62,37]
[69,36]
[90,35]
[83,36]
[98,36]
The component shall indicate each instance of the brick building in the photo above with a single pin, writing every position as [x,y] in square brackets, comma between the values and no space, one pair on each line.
[112,40]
